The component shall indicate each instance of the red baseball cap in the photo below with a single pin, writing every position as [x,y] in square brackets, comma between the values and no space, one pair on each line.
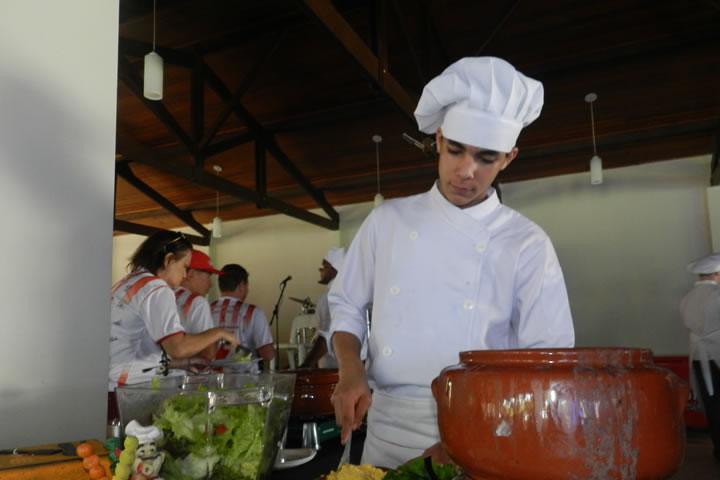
[200,261]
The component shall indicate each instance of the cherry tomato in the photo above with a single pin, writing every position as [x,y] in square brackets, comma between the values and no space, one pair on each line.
[84,450]
[96,472]
[91,461]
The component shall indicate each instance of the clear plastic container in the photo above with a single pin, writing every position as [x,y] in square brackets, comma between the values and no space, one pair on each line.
[219,426]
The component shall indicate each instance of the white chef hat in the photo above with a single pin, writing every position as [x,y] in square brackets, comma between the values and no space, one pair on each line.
[143,434]
[705,265]
[480,101]
[336,257]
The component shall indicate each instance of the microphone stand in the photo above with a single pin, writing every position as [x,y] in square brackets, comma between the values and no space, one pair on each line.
[275,318]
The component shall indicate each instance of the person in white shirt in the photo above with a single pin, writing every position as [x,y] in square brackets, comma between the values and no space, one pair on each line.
[700,310]
[146,335]
[318,354]
[448,270]
[193,307]
[247,322]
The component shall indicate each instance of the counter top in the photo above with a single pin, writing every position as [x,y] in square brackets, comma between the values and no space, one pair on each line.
[325,461]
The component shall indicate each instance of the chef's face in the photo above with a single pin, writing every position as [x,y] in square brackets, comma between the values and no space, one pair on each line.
[466,172]
[198,282]
[175,268]
[327,273]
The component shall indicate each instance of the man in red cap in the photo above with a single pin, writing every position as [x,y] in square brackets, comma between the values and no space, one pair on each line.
[193,307]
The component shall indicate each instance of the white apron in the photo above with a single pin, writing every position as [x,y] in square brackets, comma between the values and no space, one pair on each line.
[399,429]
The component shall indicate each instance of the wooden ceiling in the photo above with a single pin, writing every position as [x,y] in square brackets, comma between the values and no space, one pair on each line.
[306,91]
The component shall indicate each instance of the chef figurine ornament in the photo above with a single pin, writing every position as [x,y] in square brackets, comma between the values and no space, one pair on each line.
[148,458]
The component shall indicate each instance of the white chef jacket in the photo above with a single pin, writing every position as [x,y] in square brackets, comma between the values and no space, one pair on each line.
[143,314]
[247,321]
[323,312]
[194,311]
[700,310]
[444,280]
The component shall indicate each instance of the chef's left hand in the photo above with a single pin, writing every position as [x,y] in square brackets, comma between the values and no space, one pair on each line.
[438,454]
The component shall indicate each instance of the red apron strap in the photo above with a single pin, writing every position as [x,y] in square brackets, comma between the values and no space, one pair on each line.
[188,304]
[123,281]
[223,311]
[135,288]
[236,314]
[248,314]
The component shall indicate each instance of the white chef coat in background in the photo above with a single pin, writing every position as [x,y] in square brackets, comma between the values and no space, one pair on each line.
[700,310]
[444,280]
[140,319]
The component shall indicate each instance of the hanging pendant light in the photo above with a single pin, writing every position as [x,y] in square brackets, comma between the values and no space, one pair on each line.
[217,221]
[153,74]
[378,196]
[596,171]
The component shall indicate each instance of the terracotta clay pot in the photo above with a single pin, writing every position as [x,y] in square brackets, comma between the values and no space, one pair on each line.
[595,413]
[313,389]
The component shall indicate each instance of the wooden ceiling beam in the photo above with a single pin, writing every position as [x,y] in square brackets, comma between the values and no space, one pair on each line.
[123,170]
[132,80]
[400,19]
[267,139]
[136,152]
[612,57]
[343,32]
[245,84]
[135,48]
[147,230]
[499,25]
[301,122]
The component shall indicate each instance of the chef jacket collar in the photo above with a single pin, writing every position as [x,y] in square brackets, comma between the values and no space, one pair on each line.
[478,212]
[706,282]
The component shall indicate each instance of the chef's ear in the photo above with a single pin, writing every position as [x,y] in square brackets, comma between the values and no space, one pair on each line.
[168,258]
[509,157]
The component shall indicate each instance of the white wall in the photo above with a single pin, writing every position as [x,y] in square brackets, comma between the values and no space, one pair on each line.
[623,247]
[58,88]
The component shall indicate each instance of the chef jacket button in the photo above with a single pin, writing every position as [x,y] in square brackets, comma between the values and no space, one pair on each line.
[480,247]
[468,305]
[394,290]
[413,235]
[387,351]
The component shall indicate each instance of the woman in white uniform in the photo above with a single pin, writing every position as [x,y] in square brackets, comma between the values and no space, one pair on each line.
[146,335]
[700,310]
[448,270]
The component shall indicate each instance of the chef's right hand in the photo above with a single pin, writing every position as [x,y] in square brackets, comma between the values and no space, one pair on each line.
[351,399]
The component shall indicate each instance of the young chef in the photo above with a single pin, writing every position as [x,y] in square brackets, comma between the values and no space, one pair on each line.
[328,271]
[448,270]
[146,336]
[700,310]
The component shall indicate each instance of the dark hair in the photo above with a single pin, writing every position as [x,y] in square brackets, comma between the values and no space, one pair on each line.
[232,276]
[151,253]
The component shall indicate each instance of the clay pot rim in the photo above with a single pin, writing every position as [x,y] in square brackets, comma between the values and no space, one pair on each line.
[588,356]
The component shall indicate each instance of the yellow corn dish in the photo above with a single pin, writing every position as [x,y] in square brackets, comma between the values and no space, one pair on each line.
[356,472]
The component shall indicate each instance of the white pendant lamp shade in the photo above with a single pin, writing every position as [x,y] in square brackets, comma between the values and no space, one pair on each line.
[378,196]
[217,227]
[596,169]
[217,221]
[153,78]
[596,173]
[379,199]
